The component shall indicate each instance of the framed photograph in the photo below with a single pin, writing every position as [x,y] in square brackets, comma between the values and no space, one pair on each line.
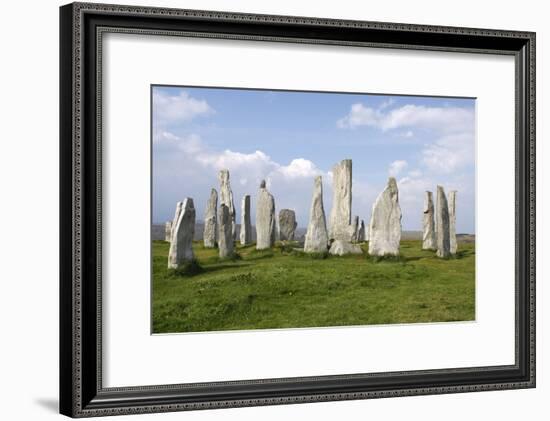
[261,210]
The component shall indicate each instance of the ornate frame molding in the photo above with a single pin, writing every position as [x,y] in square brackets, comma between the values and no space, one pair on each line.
[82,26]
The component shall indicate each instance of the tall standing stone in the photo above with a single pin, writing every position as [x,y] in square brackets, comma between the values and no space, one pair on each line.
[361,233]
[246,228]
[316,240]
[355,229]
[181,244]
[287,224]
[442,221]
[168,231]
[179,207]
[385,223]
[265,219]
[210,235]
[340,214]
[225,235]
[452,222]
[226,198]
[428,223]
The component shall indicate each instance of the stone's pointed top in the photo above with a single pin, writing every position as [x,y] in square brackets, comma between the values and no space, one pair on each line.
[188,203]
[223,176]
[440,188]
[262,184]
[213,192]
[392,183]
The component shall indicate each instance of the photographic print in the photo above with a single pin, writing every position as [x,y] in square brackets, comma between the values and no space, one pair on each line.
[290,209]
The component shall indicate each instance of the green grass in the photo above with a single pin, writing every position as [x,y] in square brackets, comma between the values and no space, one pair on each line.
[283,288]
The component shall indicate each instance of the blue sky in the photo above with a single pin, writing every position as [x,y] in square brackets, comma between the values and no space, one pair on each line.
[290,137]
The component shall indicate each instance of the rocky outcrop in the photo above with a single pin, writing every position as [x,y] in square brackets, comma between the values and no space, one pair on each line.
[453,245]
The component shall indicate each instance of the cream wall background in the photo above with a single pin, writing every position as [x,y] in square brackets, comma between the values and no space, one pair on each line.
[29,221]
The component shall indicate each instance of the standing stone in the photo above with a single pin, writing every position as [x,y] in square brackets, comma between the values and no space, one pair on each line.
[179,207]
[168,231]
[210,236]
[340,214]
[428,223]
[385,223]
[355,230]
[246,228]
[181,244]
[287,225]
[265,219]
[452,222]
[225,235]
[442,220]
[316,240]
[226,198]
[361,233]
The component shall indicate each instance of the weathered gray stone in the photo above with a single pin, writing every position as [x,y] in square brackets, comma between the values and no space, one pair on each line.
[179,207]
[341,248]
[316,240]
[355,229]
[361,233]
[210,236]
[340,214]
[265,219]
[225,235]
[168,231]
[181,243]
[287,224]
[428,223]
[226,198]
[442,221]
[453,245]
[246,227]
[385,223]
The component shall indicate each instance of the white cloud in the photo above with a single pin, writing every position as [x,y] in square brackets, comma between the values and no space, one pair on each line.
[185,166]
[440,119]
[178,108]
[450,153]
[396,167]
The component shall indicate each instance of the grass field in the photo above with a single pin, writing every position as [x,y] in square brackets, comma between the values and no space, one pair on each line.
[281,288]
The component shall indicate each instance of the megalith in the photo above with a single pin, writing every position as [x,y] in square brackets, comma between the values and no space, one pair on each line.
[210,235]
[225,235]
[355,229]
[453,245]
[181,242]
[385,223]
[361,233]
[287,224]
[316,240]
[246,228]
[442,221]
[167,231]
[226,198]
[265,219]
[428,223]
[340,214]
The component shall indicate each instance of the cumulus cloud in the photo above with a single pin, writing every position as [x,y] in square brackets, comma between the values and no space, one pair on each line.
[442,119]
[450,153]
[396,167]
[185,166]
[178,108]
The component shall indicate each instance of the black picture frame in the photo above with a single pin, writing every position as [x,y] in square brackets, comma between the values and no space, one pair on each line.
[81,390]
